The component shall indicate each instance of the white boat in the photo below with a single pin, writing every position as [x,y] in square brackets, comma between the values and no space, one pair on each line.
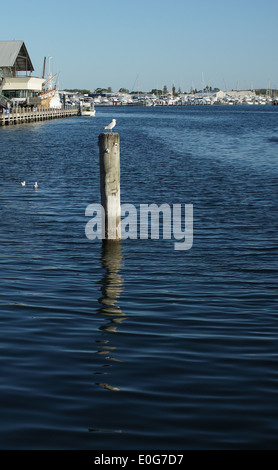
[55,102]
[86,109]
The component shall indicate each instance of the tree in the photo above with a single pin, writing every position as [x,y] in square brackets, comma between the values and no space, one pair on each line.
[77,90]
[155,91]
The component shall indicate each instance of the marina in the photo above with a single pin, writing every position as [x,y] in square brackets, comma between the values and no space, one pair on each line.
[25,98]
[200,98]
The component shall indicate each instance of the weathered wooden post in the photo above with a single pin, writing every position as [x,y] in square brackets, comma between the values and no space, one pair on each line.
[109,163]
[3,117]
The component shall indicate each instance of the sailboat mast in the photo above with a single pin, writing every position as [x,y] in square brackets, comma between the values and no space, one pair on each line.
[43,71]
[49,74]
[138,85]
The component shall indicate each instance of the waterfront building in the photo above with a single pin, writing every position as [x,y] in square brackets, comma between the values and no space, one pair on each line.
[16,83]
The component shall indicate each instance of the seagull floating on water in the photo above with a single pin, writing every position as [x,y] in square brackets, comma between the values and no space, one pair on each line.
[36,185]
[23,183]
[111,125]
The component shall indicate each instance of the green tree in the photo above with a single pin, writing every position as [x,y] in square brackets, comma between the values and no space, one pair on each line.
[78,90]
[155,91]
[99,91]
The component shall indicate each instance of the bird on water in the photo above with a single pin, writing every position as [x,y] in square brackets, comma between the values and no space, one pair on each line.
[111,125]
[23,183]
[36,185]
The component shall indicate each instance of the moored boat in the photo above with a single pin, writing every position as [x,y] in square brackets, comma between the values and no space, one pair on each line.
[87,109]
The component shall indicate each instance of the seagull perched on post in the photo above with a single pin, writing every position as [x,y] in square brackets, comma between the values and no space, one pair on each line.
[111,125]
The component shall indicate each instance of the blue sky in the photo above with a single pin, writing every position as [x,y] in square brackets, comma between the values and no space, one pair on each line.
[224,44]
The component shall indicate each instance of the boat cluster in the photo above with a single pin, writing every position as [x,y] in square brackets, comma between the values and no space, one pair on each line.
[227,98]
[190,99]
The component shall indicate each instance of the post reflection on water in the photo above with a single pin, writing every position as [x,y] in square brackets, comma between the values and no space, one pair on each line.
[111,288]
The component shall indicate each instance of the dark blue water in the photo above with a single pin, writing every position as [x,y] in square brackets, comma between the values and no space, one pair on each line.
[137,345]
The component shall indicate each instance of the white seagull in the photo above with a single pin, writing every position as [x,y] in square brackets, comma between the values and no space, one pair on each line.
[36,185]
[111,125]
[23,183]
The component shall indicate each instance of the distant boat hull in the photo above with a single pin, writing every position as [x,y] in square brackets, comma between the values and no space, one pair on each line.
[88,113]
[87,110]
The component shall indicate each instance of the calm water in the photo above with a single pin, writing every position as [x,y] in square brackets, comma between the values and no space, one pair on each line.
[140,346]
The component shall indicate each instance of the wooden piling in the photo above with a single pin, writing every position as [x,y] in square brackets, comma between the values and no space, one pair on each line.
[109,163]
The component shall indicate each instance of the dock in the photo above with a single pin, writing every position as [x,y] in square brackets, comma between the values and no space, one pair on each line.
[25,115]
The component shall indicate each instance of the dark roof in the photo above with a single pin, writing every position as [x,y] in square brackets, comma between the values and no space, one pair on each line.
[14,54]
